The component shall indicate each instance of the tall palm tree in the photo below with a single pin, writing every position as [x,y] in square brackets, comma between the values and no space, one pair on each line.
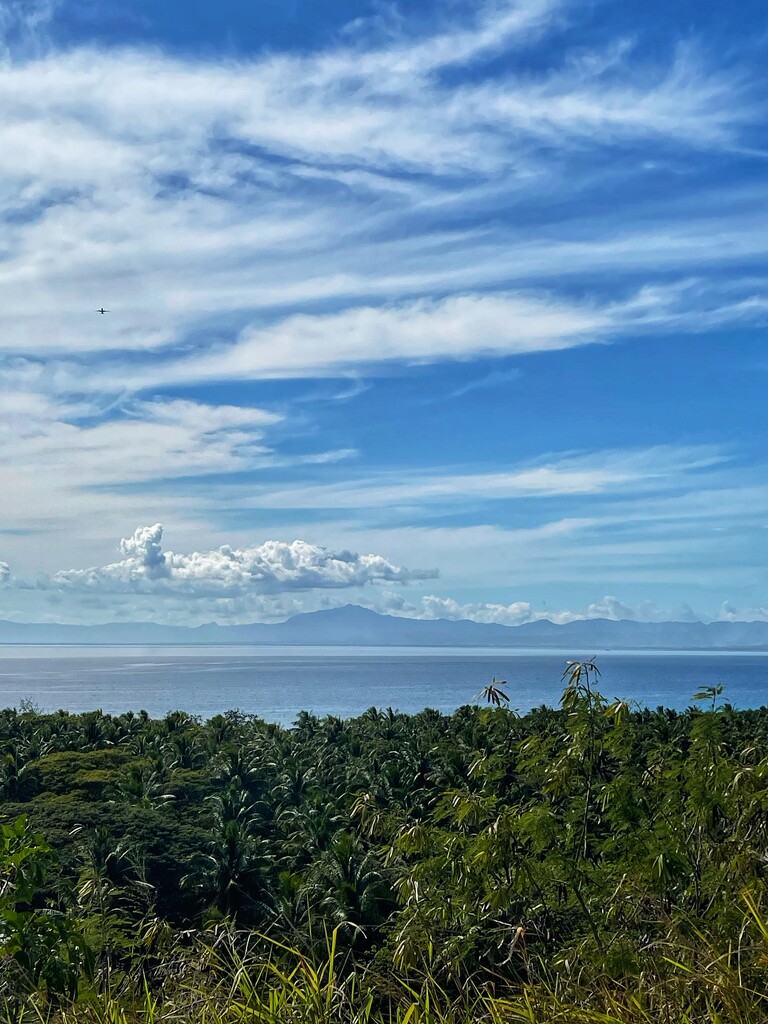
[346,883]
[232,874]
[111,890]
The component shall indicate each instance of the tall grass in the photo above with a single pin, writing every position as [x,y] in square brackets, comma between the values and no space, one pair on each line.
[228,981]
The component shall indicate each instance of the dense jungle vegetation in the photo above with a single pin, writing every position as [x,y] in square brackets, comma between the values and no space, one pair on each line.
[593,862]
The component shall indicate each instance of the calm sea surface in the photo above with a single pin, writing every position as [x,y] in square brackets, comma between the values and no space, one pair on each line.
[277,682]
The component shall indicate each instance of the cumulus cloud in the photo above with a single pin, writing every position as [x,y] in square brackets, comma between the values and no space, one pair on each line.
[144,552]
[647,611]
[5,573]
[271,567]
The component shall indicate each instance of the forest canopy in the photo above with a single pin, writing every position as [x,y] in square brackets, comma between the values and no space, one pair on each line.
[591,858]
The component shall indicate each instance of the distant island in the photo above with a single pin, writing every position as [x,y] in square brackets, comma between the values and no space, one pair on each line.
[352,625]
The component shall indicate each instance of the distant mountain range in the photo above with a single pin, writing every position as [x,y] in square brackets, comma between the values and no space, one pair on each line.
[356,626]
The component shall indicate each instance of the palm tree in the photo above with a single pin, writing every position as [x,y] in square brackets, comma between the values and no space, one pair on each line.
[178,721]
[493,693]
[111,888]
[144,784]
[185,751]
[293,783]
[288,904]
[232,874]
[305,726]
[347,885]
[97,730]
[15,765]
[309,829]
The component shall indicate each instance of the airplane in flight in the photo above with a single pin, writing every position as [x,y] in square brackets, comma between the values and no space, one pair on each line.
[102,310]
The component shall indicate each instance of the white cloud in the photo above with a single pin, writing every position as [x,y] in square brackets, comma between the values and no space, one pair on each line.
[83,472]
[455,328]
[271,567]
[276,580]
[373,107]
[144,556]
[513,614]
[127,441]
[495,379]
[591,473]
[517,613]
[647,611]
[729,612]
[148,182]
[498,26]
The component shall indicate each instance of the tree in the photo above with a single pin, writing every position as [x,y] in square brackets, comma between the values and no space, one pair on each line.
[40,942]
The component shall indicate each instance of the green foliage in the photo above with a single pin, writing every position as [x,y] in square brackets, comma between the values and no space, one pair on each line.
[582,863]
[88,774]
[41,945]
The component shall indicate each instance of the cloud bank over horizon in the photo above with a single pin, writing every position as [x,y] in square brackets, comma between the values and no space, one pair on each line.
[265,583]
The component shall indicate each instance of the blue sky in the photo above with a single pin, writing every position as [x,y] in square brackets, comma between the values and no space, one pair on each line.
[447,309]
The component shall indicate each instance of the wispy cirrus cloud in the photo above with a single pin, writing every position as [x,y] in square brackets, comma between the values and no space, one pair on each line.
[137,441]
[184,189]
[105,461]
[456,328]
[594,473]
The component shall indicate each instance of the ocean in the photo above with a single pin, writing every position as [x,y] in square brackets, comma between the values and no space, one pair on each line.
[276,683]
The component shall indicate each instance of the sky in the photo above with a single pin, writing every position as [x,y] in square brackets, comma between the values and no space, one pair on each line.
[447,309]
